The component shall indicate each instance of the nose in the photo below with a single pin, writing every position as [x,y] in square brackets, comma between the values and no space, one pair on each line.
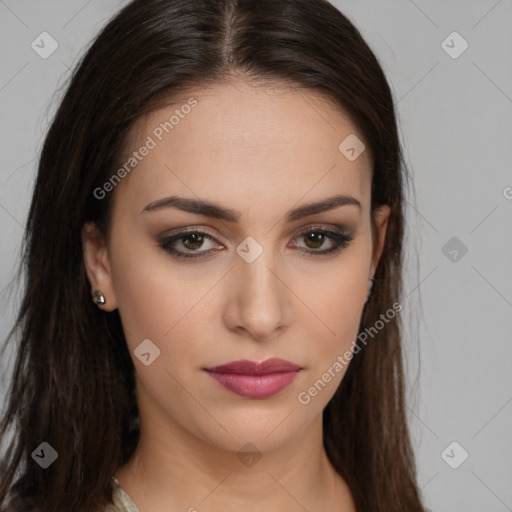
[258,300]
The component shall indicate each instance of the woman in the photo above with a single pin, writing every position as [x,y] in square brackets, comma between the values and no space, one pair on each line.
[224,180]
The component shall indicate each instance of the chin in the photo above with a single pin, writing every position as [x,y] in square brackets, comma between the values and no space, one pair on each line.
[266,430]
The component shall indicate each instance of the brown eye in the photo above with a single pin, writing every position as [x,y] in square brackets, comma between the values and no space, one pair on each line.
[195,240]
[315,238]
[187,244]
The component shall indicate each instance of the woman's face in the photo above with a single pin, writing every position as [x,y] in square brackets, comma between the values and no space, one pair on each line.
[250,280]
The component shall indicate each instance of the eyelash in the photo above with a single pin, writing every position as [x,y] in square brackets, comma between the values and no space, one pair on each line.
[341,240]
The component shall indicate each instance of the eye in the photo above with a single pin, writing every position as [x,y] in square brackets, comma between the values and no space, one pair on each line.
[315,237]
[192,241]
[188,244]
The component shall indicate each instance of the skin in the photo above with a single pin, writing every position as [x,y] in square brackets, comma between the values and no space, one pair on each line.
[261,150]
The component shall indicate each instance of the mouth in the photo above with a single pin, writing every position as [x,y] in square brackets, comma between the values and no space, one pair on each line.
[251,379]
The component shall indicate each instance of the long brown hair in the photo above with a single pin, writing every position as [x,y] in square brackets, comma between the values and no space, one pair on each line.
[73,378]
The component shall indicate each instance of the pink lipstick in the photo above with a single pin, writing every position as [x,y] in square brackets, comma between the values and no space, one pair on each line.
[255,380]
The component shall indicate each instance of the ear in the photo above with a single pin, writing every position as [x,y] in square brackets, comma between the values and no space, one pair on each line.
[97,265]
[381,217]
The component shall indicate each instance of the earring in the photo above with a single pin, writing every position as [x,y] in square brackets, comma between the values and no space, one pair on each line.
[99,298]
[370,286]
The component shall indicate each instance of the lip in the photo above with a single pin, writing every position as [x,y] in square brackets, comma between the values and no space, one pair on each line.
[246,367]
[251,379]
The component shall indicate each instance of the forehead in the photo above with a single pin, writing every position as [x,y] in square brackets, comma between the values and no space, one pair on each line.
[237,143]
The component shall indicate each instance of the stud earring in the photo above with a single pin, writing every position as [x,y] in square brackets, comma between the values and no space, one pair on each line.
[99,298]
[370,286]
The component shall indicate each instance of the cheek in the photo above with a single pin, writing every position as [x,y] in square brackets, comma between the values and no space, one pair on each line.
[332,318]
[159,301]
[152,297]
[154,304]
[339,310]
[337,296]
[159,307]
[330,354]
[345,306]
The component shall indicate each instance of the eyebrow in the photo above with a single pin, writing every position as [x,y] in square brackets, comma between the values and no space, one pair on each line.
[216,211]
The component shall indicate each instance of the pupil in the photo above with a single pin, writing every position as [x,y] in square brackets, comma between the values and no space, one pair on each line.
[197,241]
[316,238]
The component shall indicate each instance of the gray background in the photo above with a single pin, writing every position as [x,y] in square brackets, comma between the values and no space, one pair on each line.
[455,120]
